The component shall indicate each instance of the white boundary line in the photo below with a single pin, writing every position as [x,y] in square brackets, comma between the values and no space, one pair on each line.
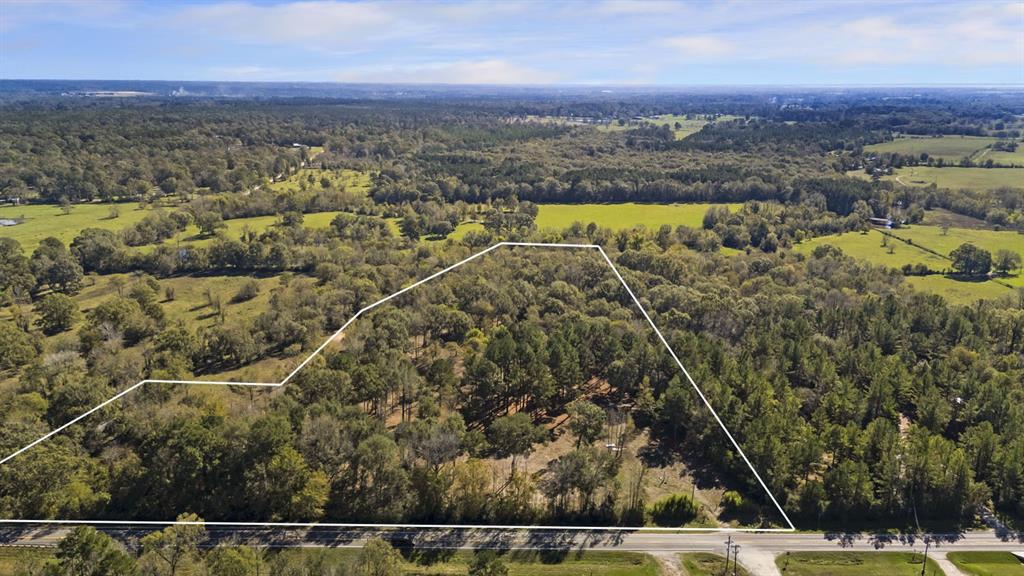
[338,332]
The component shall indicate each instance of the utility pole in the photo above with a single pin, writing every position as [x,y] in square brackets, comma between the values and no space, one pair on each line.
[728,549]
[924,565]
[735,559]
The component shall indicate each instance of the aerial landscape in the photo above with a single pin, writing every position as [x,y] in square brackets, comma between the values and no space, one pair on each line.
[382,289]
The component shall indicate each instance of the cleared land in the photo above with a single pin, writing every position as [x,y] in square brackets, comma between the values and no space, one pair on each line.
[853,564]
[869,247]
[624,216]
[950,148]
[705,564]
[954,177]
[987,563]
[686,126]
[1015,158]
[349,180]
[45,220]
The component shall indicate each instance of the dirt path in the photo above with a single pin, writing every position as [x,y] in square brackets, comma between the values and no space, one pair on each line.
[948,567]
[669,563]
[758,562]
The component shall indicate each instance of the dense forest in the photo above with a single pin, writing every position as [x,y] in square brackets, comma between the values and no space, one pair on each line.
[493,394]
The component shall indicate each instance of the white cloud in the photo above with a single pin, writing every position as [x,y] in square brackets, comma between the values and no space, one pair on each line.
[639,6]
[702,46]
[492,71]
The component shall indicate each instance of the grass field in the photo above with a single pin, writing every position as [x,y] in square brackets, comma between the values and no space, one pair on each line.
[954,177]
[853,564]
[45,220]
[950,148]
[1015,158]
[351,180]
[624,216]
[233,228]
[991,240]
[705,564]
[686,128]
[987,563]
[869,247]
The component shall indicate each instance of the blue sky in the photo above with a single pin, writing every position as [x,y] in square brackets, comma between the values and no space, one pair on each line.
[604,42]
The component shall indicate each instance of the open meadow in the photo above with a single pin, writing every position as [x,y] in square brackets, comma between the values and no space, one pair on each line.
[624,216]
[953,177]
[949,148]
[896,253]
[45,220]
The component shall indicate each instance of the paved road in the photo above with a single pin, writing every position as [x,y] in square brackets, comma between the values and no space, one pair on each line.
[40,535]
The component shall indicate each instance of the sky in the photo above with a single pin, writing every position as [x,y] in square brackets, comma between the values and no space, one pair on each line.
[600,42]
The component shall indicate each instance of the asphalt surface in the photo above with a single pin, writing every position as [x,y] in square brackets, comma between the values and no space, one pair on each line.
[48,536]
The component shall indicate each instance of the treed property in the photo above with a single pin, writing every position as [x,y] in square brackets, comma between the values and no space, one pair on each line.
[873,387]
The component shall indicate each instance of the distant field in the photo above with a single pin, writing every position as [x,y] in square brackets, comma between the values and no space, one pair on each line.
[705,564]
[954,177]
[932,237]
[686,128]
[624,216]
[1015,158]
[234,227]
[987,563]
[45,220]
[352,180]
[853,564]
[950,148]
[869,247]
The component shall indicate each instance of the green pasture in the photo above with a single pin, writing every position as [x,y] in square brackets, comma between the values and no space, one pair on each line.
[45,220]
[987,563]
[686,126]
[624,216]
[350,180]
[236,226]
[954,177]
[706,564]
[854,564]
[1015,158]
[868,246]
[949,148]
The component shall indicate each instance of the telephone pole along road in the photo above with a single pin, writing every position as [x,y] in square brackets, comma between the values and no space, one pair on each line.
[44,535]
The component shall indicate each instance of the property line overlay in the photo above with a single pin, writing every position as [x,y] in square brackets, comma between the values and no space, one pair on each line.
[334,336]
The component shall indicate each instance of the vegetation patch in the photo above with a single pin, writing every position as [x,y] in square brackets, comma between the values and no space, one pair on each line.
[707,564]
[625,216]
[853,564]
[987,563]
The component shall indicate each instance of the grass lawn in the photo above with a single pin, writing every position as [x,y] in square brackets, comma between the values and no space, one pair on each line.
[853,564]
[987,563]
[624,216]
[705,564]
[955,177]
[45,220]
[520,563]
[947,147]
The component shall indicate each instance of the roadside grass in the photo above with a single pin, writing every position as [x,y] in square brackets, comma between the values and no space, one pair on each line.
[854,564]
[987,563]
[45,220]
[706,564]
[953,177]
[519,563]
[624,216]
[946,147]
